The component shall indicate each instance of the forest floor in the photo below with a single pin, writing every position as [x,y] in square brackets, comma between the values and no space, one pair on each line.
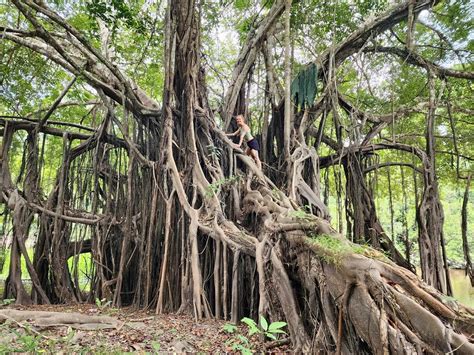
[138,331]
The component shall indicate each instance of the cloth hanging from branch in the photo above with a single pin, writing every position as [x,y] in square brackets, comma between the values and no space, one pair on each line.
[304,86]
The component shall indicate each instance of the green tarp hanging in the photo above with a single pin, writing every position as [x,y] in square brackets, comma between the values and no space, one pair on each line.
[304,86]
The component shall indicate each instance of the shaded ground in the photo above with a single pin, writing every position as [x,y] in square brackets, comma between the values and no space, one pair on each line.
[138,331]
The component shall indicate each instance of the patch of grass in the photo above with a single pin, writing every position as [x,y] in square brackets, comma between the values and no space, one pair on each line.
[18,340]
[301,214]
[332,250]
[27,340]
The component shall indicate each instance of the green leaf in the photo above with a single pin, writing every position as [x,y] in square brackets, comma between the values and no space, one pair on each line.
[277,331]
[242,338]
[230,328]
[241,4]
[263,323]
[156,346]
[253,331]
[276,325]
[271,336]
[253,328]
[250,322]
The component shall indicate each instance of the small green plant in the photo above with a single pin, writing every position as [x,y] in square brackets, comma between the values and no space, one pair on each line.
[7,301]
[102,303]
[214,151]
[240,342]
[302,213]
[69,335]
[23,342]
[156,346]
[230,328]
[28,343]
[216,186]
[269,330]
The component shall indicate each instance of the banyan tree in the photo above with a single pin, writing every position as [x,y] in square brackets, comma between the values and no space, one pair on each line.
[177,219]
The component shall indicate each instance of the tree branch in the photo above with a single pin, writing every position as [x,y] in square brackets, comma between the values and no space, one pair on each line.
[417,60]
[383,165]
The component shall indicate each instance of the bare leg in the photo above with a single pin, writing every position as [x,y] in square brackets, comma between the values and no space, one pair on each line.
[254,154]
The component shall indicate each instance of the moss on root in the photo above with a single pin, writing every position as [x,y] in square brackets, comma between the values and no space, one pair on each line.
[332,249]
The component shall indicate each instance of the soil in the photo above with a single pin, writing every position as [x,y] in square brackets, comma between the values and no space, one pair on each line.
[138,331]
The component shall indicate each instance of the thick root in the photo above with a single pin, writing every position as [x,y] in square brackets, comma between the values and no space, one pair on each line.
[58,319]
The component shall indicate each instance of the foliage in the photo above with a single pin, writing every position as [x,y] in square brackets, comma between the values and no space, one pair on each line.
[269,330]
[7,301]
[6,265]
[217,185]
[230,328]
[302,213]
[114,11]
[333,250]
[241,342]
[26,343]
[156,346]
[26,339]
[214,151]
[102,303]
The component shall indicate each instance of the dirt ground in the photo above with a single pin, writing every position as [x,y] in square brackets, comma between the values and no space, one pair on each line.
[138,331]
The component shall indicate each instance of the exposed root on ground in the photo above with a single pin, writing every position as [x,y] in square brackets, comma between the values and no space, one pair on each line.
[58,319]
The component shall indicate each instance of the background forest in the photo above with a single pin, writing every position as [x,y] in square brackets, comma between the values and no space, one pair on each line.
[377,114]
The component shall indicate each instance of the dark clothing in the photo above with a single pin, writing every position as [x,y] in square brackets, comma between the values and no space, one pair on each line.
[253,144]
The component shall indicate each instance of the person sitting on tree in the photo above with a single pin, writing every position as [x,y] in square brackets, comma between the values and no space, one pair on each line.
[252,144]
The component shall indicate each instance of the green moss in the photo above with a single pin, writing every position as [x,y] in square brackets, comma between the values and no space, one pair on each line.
[301,215]
[330,243]
[332,250]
